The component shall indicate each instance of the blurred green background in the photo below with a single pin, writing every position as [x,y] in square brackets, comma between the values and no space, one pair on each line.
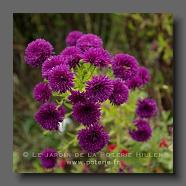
[149,37]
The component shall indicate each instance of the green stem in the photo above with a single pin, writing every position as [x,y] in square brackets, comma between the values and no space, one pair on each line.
[71,142]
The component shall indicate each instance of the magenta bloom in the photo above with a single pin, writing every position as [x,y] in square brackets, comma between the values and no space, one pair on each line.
[142,132]
[72,38]
[97,56]
[93,138]
[42,92]
[48,158]
[71,55]
[60,78]
[87,41]
[120,92]
[144,75]
[146,108]
[86,113]
[134,83]
[61,109]
[99,88]
[77,97]
[48,116]
[37,52]
[142,78]
[124,66]
[50,63]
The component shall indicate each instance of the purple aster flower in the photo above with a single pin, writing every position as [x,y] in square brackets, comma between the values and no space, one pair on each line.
[144,75]
[134,83]
[37,52]
[92,139]
[42,92]
[87,41]
[61,109]
[97,56]
[72,38]
[86,113]
[124,66]
[120,92]
[77,97]
[146,108]
[48,116]
[48,158]
[71,55]
[60,78]
[50,63]
[142,132]
[99,88]
[142,78]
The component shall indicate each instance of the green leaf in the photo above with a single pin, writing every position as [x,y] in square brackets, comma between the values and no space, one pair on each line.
[83,72]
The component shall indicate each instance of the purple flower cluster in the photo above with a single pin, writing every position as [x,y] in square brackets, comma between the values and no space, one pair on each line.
[93,138]
[49,116]
[97,56]
[37,52]
[87,41]
[127,68]
[60,79]
[99,88]
[72,38]
[48,158]
[142,132]
[142,78]
[77,97]
[71,55]
[124,66]
[50,63]
[146,108]
[120,92]
[42,92]
[87,112]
